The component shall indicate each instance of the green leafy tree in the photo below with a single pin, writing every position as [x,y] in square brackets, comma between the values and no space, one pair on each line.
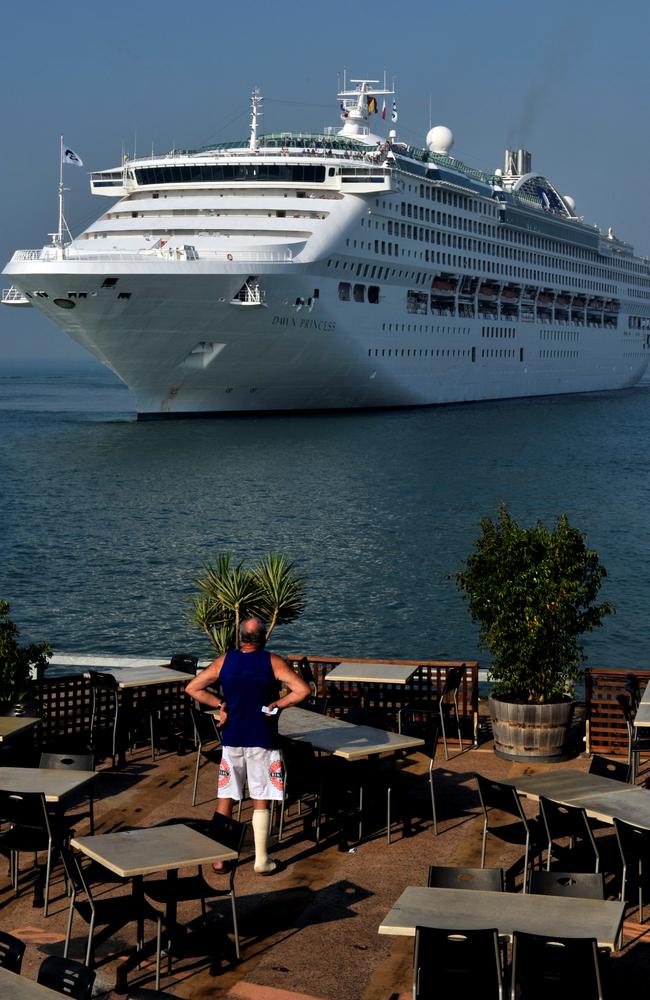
[16,660]
[533,592]
[231,592]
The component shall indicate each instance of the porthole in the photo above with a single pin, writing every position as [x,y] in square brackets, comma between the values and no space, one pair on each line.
[64,303]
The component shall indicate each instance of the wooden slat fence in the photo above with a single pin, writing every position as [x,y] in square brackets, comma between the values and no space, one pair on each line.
[387,699]
[606,731]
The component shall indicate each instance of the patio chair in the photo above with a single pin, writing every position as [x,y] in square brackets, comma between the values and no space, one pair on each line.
[12,950]
[561,821]
[634,846]
[303,781]
[305,671]
[443,704]
[457,963]
[32,829]
[450,877]
[206,731]
[561,968]
[427,729]
[577,885]
[636,745]
[74,762]
[604,767]
[184,662]
[228,832]
[110,913]
[495,795]
[315,703]
[72,979]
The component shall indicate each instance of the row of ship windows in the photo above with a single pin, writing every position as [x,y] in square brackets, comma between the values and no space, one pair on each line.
[559,354]
[438,193]
[421,352]
[554,247]
[423,328]
[638,322]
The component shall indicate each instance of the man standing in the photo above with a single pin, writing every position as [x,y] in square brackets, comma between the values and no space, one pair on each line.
[250,678]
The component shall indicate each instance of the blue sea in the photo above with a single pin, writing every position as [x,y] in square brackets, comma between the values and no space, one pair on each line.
[106,522]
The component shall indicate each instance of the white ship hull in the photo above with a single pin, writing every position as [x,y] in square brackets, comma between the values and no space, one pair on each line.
[327,356]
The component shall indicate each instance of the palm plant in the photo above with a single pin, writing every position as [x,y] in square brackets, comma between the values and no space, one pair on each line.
[232,592]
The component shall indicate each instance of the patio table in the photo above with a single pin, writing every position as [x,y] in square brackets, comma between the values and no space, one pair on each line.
[143,676]
[136,853]
[373,673]
[15,987]
[11,725]
[458,909]
[54,783]
[343,739]
[601,798]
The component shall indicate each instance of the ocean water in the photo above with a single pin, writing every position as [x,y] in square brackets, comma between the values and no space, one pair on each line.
[106,522]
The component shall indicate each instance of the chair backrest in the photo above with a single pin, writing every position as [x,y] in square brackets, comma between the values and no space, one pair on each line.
[226,831]
[606,768]
[561,820]
[560,968]
[305,671]
[12,950]
[315,703]
[21,708]
[579,885]
[205,724]
[72,979]
[426,727]
[633,841]
[453,680]
[184,662]
[73,761]
[100,681]
[443,877]
[633,689]
[26,809]
[623,698]
[457,963]
[496,795]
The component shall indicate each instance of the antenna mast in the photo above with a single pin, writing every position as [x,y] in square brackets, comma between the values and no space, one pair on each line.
[256,113]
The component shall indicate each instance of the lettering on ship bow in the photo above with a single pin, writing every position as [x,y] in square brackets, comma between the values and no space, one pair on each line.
[323,325]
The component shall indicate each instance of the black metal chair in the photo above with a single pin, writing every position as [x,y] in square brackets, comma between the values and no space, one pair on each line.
[303,783]
[457,963]
[305,671]
[634,847]
[105,708]
[428,729]
[207,740]
[562,821]
[443,704]
[315,703]
[636,745]
[604,767]
[503,798]
[74,762]
[231,834]
[32,829]
[12,950]
[449,877]
[577,885]
[62,975]
[109,913]
[561,968]
[184,662]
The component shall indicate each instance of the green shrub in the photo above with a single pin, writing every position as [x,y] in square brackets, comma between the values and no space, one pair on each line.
[16,661]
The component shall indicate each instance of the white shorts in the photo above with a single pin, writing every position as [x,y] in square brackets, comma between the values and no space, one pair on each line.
[262,770]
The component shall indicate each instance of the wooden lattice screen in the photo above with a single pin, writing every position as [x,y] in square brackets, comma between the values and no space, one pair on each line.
[606,731]
[419,692]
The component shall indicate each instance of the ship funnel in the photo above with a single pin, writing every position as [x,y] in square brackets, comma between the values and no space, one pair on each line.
[517,162]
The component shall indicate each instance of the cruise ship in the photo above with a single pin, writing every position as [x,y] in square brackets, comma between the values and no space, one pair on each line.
[338,270]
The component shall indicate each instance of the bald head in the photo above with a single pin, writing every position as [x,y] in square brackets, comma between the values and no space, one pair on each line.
[252,632]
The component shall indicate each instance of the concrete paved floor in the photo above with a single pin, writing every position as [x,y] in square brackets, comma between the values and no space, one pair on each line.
[310,931]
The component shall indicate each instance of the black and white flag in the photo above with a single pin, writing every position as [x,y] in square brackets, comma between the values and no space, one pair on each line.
[393,114]
[69,156]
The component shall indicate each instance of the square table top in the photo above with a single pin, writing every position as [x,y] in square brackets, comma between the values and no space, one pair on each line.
[464,909]
[642,717]
[343,739]
[373,673]
[602,798]
[152,849]
[55,783]
[20,988]
[10,725]
[144,676]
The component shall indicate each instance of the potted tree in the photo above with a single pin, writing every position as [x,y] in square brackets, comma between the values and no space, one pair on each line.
[229,592]
[533,593]
[17,663]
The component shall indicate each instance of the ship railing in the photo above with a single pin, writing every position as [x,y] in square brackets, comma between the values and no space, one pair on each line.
[176,254]
[14,296]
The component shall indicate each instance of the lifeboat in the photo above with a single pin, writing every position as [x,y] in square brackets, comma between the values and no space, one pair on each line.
[545,299]
[487,291]
[595,303]
[563,300]
[444,285]
[510,293]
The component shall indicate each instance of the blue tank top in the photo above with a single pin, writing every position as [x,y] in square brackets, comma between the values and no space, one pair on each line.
[248,682]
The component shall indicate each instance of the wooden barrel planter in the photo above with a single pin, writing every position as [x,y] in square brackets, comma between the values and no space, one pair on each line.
[527,732]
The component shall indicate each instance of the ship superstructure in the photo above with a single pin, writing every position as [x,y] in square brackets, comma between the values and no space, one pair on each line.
[296,271]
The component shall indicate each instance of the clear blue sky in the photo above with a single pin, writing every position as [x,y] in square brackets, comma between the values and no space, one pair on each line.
[570,81]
